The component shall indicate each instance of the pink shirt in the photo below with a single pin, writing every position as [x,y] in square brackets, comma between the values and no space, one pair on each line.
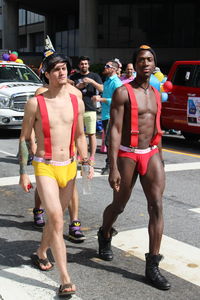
[124,79]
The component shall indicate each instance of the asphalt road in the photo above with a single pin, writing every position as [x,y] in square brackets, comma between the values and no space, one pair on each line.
[123,278]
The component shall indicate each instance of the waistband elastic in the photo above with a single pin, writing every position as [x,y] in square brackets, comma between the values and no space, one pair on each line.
[53,162]
[136,150]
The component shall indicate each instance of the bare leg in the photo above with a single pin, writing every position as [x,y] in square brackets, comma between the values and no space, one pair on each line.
[38,212]
[120,199]
[126,167]
[153,183]
[74,205]
[93,144]
[55,202]
[75,233]
[37,200]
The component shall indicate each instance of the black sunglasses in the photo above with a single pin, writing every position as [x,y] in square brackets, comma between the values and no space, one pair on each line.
[107,66]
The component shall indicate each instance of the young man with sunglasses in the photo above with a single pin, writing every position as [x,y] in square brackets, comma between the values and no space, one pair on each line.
[110,84]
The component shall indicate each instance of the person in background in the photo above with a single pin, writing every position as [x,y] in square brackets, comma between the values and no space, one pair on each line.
[119,70]
[90,84]
[110,84]
[129,74]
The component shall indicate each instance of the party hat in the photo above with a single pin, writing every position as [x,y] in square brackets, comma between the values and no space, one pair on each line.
[48,48]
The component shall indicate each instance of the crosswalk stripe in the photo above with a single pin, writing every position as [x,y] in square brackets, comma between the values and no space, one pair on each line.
[181,259]
[27,283]
[5,181]
[197,210]
[168,168]
[8,153]
[182,167]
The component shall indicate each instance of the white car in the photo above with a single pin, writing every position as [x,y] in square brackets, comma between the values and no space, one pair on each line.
[17,84]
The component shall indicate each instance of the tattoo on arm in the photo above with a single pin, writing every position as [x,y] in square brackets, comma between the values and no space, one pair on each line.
[23,157]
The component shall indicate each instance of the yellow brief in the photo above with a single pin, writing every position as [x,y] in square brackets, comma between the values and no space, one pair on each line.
[62,174]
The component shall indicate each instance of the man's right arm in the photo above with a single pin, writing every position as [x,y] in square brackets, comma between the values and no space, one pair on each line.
[116,123]
[23,157]
[27,126]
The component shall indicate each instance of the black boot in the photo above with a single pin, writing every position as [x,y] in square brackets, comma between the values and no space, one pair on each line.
[153,274]
[105,251]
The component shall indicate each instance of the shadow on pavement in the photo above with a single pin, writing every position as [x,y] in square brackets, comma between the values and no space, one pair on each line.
[11,160]
[9,134]
[87,257]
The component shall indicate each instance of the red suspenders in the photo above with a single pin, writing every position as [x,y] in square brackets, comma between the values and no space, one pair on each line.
[75,109]
[134,118]
[156,138]
[46,126]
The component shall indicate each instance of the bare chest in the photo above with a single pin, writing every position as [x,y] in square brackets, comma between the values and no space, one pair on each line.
[146,103]
[60,114]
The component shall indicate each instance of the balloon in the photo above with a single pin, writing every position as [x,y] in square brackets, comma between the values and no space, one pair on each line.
[13,57]
[164,97]
[167,86]
[162,89]
[20,61]
[6,56]
[164,79]
[15,52]
[159,75]
[154,82]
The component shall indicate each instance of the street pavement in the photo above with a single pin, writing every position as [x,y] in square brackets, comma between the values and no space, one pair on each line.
[122,278]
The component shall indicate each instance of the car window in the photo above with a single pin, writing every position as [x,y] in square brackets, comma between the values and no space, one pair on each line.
[17,73]
[184,75]
[197,77]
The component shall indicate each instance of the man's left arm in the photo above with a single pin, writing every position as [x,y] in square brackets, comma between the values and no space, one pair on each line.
[114,85]
[96,82]
[160,142]
[160,151]
[80,137]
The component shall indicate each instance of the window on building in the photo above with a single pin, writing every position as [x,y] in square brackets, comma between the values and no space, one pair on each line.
[37,42]
[67,42]
[28,17]
[22,43]
[156,23]
[22,17]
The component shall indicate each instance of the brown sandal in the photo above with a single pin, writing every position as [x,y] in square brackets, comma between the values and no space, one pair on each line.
[62,292]
[37,262]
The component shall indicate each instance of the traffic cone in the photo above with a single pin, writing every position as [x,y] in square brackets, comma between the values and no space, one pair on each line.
[103,148]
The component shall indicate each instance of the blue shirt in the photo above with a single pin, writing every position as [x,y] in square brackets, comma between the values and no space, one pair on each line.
[109,86]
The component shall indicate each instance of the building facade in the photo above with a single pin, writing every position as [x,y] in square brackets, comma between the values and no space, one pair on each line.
[103,29]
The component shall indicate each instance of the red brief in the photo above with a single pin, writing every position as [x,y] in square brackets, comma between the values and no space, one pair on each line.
[140,156]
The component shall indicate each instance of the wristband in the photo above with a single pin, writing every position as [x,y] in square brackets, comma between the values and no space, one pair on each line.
[85,161]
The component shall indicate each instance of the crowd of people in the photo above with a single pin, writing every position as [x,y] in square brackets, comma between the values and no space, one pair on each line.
[56,123]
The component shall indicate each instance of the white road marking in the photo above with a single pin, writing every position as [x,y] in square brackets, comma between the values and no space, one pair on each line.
[8,153]
[182,167]
[197,210]
[181,259]
[27,283]
[168,168]
[15,179]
